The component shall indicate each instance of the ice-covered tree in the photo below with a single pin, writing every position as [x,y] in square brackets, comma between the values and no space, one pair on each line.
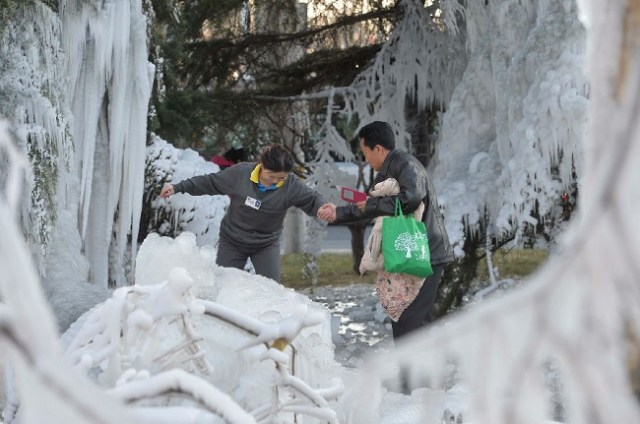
[569,337]
[76,96]
[199,215]
[509,85]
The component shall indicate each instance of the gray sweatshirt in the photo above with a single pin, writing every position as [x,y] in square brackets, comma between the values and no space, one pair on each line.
[254,218]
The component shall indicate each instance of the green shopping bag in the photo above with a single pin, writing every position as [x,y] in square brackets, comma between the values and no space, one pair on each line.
[404,245]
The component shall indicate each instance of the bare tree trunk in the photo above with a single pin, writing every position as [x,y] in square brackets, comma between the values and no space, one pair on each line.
[293,233]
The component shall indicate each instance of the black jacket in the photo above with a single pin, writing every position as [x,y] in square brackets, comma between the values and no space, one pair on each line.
[415,187]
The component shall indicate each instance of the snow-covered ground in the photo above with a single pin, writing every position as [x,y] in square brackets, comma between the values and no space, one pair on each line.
[359,325]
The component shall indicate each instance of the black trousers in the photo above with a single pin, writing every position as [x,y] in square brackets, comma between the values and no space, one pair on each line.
[421,311]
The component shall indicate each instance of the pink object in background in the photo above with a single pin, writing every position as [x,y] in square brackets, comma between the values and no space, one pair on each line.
[352,196]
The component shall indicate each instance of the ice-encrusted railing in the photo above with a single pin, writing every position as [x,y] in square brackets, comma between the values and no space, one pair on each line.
[144,344]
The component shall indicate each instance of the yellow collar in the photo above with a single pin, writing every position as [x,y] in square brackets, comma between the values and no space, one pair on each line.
[256,173]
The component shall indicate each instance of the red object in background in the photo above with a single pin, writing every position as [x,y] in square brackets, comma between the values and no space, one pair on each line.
[352,196]
[229,158]
[222,162]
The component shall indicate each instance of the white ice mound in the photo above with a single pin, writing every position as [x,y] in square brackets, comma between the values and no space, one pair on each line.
[195,335]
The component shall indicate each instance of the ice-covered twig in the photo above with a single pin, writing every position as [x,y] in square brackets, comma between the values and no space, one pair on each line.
[47,375]
[284,330]
[17,168]
[320,407]
[301,387]
[173,415]
[492,275]
[34,353]
[124,330]
[228,315]
[179,381]
[487,248]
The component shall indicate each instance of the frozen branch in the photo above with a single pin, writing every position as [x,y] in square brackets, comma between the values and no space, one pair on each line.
[179,381]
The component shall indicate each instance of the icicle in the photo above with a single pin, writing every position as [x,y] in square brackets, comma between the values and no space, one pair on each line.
[110,79]
[493,282]
[522,104]
[34,101]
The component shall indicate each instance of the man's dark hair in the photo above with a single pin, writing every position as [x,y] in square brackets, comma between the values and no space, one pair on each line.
[378,132]
[277,159]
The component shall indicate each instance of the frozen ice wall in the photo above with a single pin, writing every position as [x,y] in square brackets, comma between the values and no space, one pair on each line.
[512,135]
[76,91]
[110,80]
[74,87]
[34,101]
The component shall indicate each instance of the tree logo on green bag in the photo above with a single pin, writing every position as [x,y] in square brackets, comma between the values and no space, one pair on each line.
[409,243]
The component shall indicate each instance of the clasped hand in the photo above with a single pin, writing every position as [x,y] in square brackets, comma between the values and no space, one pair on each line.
[327,212]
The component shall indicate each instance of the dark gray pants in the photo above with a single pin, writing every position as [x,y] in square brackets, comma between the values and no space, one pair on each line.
[266,260]
[421,311]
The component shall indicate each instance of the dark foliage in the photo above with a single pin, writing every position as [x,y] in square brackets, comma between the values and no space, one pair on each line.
[223,67]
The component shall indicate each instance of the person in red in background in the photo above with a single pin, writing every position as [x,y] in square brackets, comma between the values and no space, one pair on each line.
[228,158]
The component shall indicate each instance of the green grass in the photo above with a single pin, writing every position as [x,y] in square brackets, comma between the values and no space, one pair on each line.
[514,262]
[336,269]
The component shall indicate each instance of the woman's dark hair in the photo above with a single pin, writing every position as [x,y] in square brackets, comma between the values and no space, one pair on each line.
[378,132]
[277,159]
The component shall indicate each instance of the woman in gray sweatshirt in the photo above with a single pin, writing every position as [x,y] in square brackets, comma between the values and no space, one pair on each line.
[260,195]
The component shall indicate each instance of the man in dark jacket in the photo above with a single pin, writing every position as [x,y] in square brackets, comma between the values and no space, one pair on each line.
[377,143]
